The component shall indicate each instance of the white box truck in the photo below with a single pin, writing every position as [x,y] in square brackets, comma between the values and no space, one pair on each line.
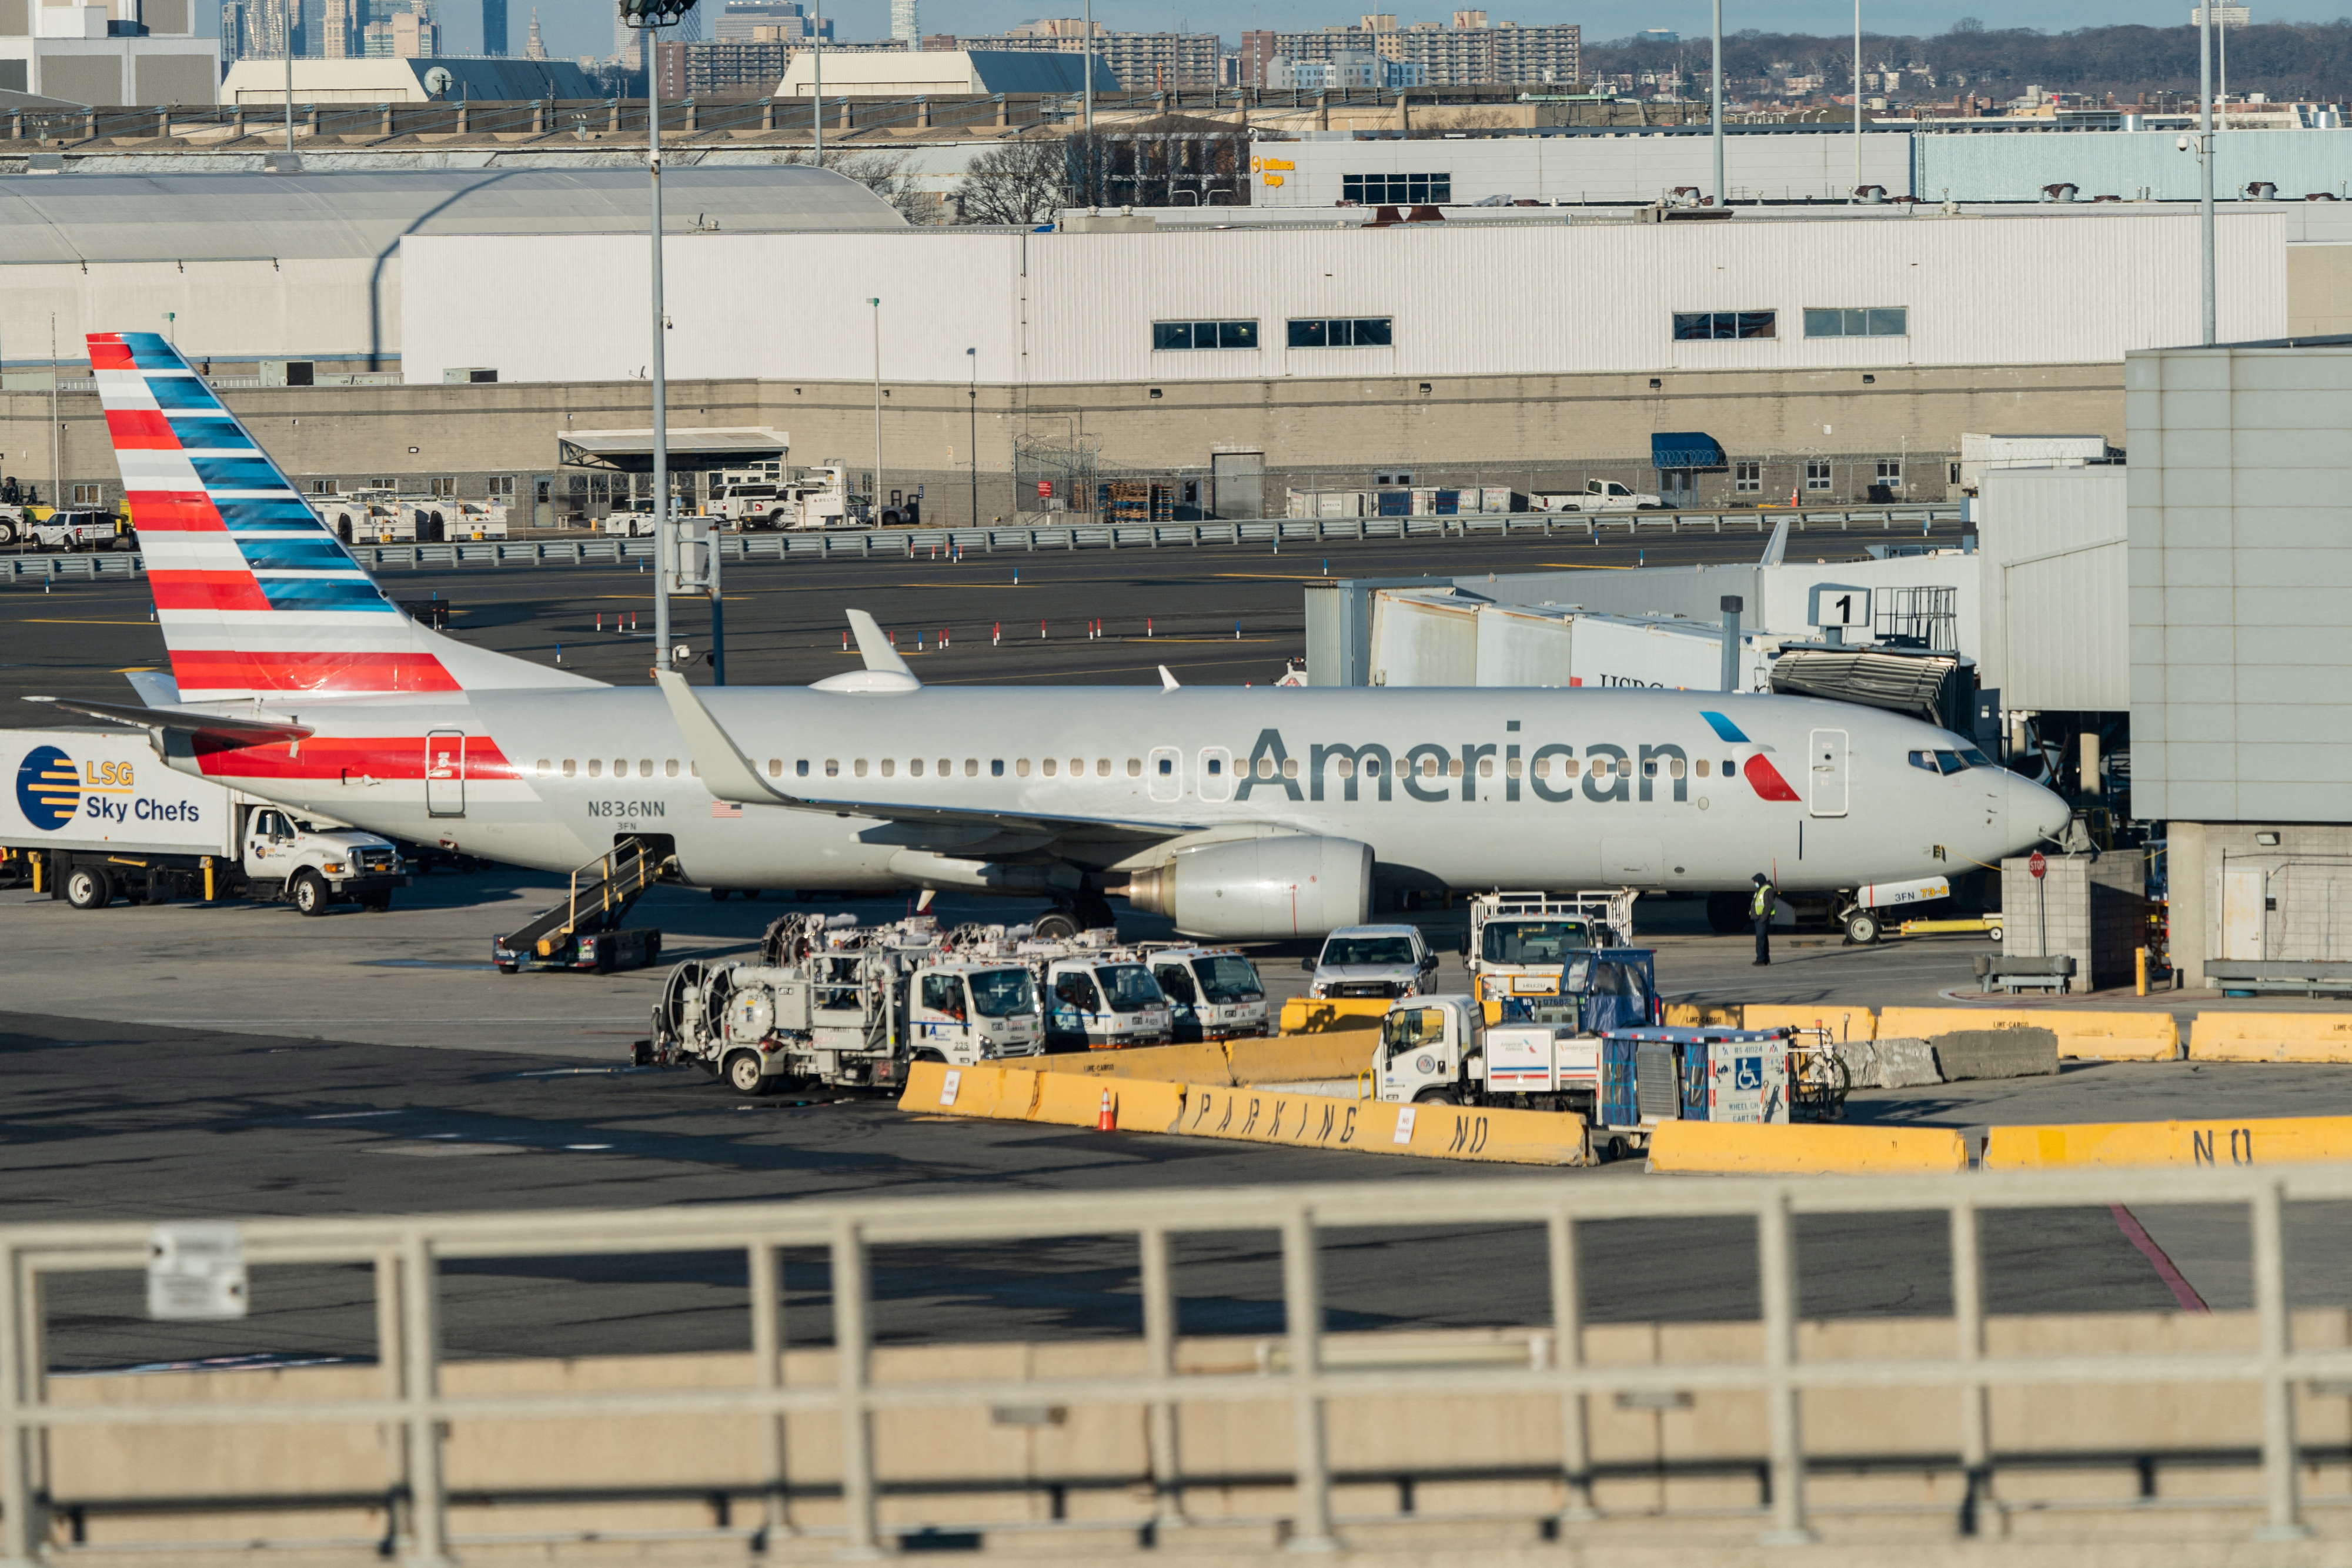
[94,815]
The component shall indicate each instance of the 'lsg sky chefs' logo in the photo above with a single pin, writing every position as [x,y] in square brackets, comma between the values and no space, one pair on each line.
[52,789]
[48,788]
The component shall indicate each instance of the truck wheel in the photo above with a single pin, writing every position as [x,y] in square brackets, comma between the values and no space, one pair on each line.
[1862,929]
[89,888]
[1055,925]
[745,1073]
[310,893]
[718,895]
[1435,1097]
[7,530]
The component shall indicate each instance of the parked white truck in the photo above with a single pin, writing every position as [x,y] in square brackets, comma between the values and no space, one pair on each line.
[95,815]
[844,1007]
[1599,496]
[1521,943]
[67,531]
[1442,1049]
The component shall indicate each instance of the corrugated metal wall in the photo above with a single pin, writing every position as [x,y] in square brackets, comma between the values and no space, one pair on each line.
[2007,166]
[2057,610]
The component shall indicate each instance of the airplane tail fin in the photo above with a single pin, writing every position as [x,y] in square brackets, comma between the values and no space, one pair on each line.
[256,597]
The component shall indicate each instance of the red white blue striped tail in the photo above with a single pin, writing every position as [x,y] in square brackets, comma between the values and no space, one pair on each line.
[256,597]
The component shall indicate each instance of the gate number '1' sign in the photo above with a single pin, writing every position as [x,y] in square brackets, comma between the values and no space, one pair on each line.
[195,1272]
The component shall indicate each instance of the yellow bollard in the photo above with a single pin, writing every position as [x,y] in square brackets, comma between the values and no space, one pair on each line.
[2139,972]
[40,863]
[208,878]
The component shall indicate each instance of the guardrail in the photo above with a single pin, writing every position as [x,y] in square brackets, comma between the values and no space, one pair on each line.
[906,544]
[1295,1376]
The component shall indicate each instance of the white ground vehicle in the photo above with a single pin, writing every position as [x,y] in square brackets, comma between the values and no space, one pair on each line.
[845,1008]
[66,530]
[1103,1000]
[1599,496]
[1519,941]
[1214,993]
[1371,961]
[1441,1049]
[435,519]
[96,816]
[633,521]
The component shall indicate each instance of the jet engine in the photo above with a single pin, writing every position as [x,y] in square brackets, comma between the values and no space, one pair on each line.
[1290,885]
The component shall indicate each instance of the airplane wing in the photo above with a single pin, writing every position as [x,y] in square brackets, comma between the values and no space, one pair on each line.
[730,776]
[221,727]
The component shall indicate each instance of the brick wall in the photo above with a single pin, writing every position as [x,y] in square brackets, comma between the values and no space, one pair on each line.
[2092,909]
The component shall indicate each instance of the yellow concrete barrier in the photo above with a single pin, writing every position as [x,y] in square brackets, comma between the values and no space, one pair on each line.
[1251,1115]
[2088,1036]
[1300,1059]
[1728,1148]
[1704,1015]
[1309,1015]
[1199,1062]
[2285,1140]
[2270,1037]
[1844,1022]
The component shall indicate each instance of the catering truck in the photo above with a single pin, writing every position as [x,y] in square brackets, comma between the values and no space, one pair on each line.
[94,816]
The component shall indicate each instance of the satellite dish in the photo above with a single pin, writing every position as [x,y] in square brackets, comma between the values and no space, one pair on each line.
[438,81]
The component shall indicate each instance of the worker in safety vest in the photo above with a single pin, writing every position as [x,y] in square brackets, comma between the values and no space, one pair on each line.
[1760,915]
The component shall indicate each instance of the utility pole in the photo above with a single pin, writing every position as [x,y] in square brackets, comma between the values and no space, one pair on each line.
[1857,101]
[1087,27]
[57,437]
[973,355]
[2205,160]
[286,21]
[817,70]
[649,17]
[1722,197]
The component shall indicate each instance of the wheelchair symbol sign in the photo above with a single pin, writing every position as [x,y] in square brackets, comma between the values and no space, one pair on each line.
[1749,1073]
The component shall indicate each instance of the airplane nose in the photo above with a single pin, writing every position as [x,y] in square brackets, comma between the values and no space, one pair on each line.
[2034,813]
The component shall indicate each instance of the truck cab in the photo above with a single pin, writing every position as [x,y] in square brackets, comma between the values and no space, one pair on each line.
[284,857]
[1430,1052]
[1103,1002]
[963,1012]
[1521,943]
[1214,993]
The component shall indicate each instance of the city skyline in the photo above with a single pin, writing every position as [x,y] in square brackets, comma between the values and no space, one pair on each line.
[585,27]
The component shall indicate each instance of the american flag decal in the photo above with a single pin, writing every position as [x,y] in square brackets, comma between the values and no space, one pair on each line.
[725,809]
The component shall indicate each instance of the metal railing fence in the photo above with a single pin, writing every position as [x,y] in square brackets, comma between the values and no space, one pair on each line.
[406,1254]
[907,544]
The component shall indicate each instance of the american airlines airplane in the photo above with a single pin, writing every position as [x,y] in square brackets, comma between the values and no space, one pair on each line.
[1266,812]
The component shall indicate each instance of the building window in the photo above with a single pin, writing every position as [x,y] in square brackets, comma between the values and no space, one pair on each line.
[1203,335]
[1746,478]
[1890,473]
[1696,326]
[502,486]
[1952,474]
[322,487]
[1817,475]
[1397,190]
[1341,332]
[87,495]
[1876,322]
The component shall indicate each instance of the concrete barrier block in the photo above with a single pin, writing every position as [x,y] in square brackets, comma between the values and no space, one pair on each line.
[1995,1054]
[1843,1022]
[2089,1036]
[1199,1062]
[1705,1015]
[1307,1015]
[2286,1140]
[1294,1059]
[1889,1063]
[2270,1037]
[1722,1148]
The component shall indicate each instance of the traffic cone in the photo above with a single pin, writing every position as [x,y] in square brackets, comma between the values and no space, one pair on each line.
[1107,1119]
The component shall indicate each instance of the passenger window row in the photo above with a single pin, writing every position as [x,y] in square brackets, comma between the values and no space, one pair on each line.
[571,767]
[1165,766]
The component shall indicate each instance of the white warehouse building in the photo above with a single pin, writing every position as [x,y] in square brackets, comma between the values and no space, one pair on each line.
[1746,294]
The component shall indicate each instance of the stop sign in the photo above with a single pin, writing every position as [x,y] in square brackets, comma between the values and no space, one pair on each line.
[2036,866]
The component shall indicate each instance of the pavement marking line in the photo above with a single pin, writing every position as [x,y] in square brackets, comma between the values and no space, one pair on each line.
[2174,1280]
[2264,1141]
[1254,1115]
[2085,1036]
[2270,1037]
[1723,1148]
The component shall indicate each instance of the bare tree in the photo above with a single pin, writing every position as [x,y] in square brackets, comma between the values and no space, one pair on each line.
[1023,182]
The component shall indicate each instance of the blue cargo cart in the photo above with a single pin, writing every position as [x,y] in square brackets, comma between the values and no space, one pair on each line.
[1650,1075]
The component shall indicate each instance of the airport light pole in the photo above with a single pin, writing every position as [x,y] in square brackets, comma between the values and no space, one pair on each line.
[2205,163]
[649,17]
[1857,102]
[817,86]
[285,11]
[1721,198]
[973,355]
[877,505]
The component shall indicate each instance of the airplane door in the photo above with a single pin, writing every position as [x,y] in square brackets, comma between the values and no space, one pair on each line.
[1216,778]
[1829,763]
[444,773]
[1167,776]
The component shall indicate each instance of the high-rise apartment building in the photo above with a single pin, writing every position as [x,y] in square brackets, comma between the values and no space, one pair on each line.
[905,26]
[1468,52]
[1143,62]
[767,22]
[494,26]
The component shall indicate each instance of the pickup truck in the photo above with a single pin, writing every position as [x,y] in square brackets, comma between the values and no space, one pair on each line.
[66,530]
[1600,495]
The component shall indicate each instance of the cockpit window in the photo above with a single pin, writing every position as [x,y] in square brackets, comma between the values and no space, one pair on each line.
[1949,762]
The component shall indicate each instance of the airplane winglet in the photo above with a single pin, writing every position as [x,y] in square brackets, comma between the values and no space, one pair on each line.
[1168,682]
[1778,547]
[725,772]
[874,647]
[241,731]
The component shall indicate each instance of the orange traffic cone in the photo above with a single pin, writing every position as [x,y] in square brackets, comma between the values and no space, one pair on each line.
[1107,1119]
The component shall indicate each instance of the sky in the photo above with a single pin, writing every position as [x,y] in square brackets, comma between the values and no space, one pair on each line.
[585,27]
